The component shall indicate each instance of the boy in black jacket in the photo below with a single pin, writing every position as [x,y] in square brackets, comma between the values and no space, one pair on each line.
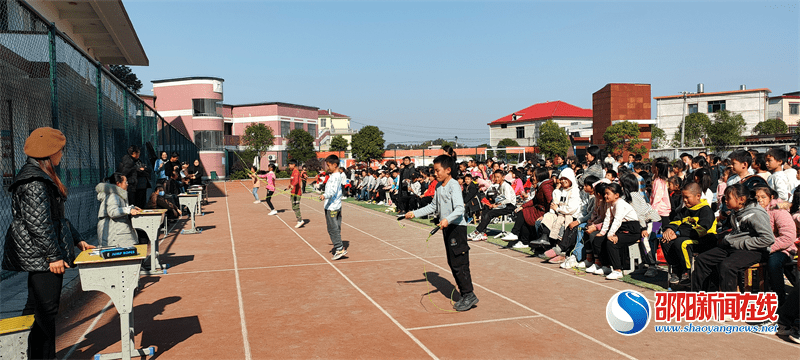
[691,230]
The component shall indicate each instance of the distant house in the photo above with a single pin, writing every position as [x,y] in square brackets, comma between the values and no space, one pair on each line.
[332,124]
[751,104]
[785,107]
[523,125]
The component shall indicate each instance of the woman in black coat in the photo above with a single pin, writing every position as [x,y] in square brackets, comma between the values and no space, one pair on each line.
[40,240]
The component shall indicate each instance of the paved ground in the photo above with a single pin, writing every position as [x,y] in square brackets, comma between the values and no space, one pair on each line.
[250,286]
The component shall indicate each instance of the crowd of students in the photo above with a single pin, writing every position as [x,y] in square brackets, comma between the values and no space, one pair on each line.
[712,218]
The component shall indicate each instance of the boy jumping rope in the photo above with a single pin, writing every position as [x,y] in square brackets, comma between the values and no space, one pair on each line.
[449,203]
[297,192]
[333,205]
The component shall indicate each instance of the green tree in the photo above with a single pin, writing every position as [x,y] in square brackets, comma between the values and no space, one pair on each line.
[658,137]
[553,139]
[624,136]
[501,154]
[339,143]
[367,143]
[300,145]
[696,125]
[258,138]
[726,130]
[126,75]
[771,126]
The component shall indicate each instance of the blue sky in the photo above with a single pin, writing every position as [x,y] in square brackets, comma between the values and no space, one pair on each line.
[422,70]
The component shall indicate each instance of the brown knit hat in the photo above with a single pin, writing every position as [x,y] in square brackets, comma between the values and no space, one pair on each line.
[43,142]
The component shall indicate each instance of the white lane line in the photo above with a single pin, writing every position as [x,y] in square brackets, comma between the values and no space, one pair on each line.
[414,338]
[474,322]
[563,273]
[247,355]
[576,331]
[88,330]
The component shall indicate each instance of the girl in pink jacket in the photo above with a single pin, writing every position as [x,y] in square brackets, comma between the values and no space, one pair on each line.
[270,177]
[785,233]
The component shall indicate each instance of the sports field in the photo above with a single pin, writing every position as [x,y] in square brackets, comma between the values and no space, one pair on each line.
[251,286]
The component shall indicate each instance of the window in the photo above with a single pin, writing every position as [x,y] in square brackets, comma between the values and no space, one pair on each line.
[692,108]
[322,123]
[714,106]
[794,109]
[503,126]
[286,127]
[228,129]
[312,129]
[520,132]
[206,107]
[298,125]
[208,140]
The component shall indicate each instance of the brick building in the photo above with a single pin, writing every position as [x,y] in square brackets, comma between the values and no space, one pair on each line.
[620,102]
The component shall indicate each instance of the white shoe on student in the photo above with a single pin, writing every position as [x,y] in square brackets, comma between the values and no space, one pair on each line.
[273,212]
[472,235]
[615,275]
[591,269]
[299,224]
[520,245]
[510,237]
[257,202]
[603,271]
[380,203]
[582,264]
[570,263]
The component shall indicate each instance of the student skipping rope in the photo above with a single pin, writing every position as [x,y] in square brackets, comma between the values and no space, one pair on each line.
[425,270]
[277,191]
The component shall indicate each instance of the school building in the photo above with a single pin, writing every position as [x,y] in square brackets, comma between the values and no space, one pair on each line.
[523,125]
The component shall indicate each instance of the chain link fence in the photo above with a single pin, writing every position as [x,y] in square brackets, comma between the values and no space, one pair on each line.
[45,80]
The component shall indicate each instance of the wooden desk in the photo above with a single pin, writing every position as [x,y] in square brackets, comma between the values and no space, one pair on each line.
[149,221]
[117,278]
[190,201]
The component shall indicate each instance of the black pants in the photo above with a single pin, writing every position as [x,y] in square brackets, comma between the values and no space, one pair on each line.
[727,262]
[132,196]
[526,232]
[789,310]
[569,239]
[141,198]
[628,233]
[455,241]
[44,296]
[268,199]
[304,186]
[519,223]
[488,214]
[680,251]
[424,201]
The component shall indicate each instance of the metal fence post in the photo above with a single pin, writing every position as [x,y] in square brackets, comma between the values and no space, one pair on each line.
[51,32]
[101,138]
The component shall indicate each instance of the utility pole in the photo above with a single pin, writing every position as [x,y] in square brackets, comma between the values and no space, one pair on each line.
[683,118]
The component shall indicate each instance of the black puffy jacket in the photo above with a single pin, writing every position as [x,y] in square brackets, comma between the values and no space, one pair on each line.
[39,233]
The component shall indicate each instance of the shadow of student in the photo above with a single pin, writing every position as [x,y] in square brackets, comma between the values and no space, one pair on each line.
[162,334]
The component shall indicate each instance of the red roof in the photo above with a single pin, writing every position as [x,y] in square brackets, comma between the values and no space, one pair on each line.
[544,111]
[334,114]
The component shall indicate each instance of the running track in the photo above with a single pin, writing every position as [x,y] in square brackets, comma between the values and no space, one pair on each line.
[250,286]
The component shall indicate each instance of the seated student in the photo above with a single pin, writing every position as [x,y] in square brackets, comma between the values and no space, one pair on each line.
[679,170]
[384,188]
[516,183]
[114,227]
[366,183]
[394,192]
[691,231]
[594,224]
[157,201]
[427,195]
[528,215]
[740,164]
[611,175]
[760,166]
[783,250]
[647,215]
[470,195]
[573,232]
[777,179]
[674,184]
[747,243]
[504,204]
[174,187]
[621,228]
[702,177]
[373,188]
[414,191]
[565,205]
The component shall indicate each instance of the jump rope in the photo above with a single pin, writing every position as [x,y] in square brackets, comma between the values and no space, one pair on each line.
[399,218]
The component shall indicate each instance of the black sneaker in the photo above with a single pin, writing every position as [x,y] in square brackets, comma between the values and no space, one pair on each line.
[674,279]
[685,280]
[466,302]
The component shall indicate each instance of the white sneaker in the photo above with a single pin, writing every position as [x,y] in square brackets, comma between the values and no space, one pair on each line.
[380,203]
[592,269]
[472,235]
[603,271]
[520,245]
[510,237]
[273,212]
[344,197]
[257,202]
[569,263]
[581,264]
[615,275]
[480,237]
[299,224]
